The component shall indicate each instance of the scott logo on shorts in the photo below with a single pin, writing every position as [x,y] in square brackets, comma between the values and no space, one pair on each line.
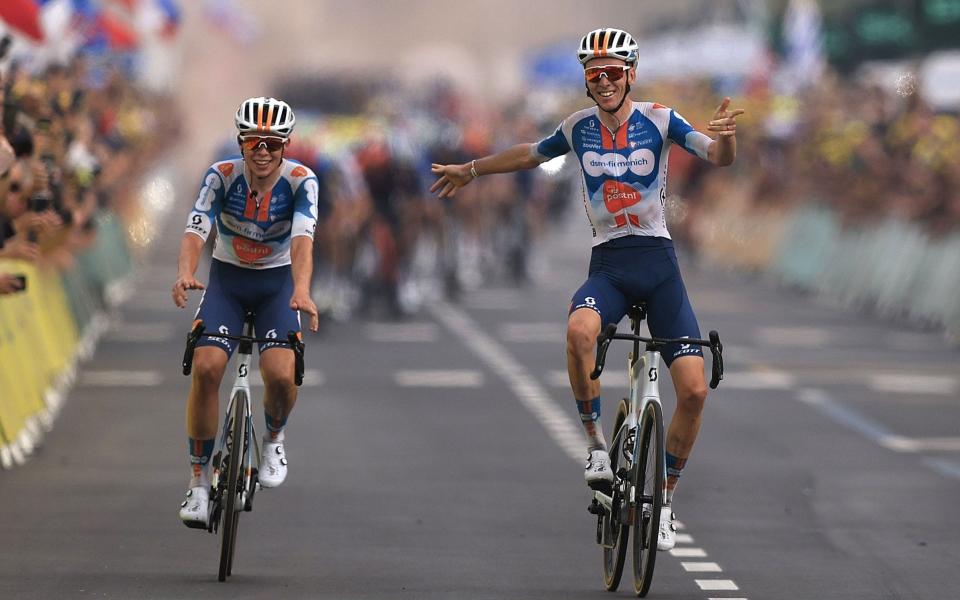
[249,251]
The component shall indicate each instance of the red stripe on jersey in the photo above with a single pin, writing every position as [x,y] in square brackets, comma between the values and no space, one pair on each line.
[607,140]
[251,207]
[264,213]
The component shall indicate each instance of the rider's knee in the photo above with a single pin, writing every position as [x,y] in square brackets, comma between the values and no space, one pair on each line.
[207,372]
[692,399]
[581,337]
[279,382]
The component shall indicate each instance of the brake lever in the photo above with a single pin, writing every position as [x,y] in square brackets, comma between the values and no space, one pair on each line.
[192,338]
[716,351]
[296,344]
[603,343]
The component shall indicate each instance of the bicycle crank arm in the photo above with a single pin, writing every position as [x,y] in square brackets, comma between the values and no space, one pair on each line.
[604,500]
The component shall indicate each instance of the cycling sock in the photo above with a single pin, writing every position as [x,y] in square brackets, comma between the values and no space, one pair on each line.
[200,451]
[590,417]
[274,428]
[675,466]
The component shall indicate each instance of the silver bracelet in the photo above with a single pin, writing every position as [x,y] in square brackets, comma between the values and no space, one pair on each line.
[473,168]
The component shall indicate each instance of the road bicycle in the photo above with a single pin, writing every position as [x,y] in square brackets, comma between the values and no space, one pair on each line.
[236,461]
[634,499]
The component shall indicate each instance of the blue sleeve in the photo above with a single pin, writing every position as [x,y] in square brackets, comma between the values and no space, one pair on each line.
[209,200]
[553,146]
[681,132]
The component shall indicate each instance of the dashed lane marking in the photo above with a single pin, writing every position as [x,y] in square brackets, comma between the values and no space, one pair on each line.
[715,585]
[688,553]
[402,332]
[932,444]
[609,378]
[912,384]
[701,567]
[683,538]
[759,380]
[120,378]
[438,378]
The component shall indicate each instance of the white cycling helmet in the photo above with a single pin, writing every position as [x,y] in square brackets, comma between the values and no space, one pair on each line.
[265,116]
[608,41]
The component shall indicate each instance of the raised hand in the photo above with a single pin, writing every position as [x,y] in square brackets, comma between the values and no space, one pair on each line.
[724,122]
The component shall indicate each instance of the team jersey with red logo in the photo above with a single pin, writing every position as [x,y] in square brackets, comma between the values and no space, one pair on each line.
[255,232]
[624,172]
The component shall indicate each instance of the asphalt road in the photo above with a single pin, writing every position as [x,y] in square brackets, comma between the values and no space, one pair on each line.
[439,457]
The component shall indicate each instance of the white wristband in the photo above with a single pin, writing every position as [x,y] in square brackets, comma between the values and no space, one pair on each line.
[473,169]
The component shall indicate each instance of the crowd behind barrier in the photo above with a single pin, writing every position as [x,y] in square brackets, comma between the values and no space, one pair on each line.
[72,153]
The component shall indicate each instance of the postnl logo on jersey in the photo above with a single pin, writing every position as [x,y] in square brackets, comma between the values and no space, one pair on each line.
[639,162]
[298,172]
[249,251]
[618,196]
[225,168]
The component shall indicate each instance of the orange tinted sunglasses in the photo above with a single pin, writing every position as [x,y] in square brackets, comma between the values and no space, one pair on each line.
[253,142]
[612,72]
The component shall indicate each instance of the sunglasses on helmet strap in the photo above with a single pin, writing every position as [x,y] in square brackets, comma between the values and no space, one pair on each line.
[611,72]
[253,142]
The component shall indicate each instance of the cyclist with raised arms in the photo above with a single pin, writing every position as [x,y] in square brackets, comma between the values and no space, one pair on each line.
[622,146]
[264,207]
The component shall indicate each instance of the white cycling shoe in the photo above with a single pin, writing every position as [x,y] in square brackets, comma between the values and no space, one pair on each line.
[273,465]
[195,509]
[667,537]
[597,473]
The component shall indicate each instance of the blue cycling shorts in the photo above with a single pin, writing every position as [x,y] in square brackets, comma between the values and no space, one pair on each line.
[233,291]
[634,269]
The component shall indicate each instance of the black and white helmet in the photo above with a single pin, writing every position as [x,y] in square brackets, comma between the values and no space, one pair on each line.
[265,116]
[608,41]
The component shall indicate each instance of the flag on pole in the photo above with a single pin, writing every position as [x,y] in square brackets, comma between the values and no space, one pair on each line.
[23,16]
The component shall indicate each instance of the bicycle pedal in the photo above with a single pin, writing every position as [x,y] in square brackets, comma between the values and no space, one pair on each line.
[605,487]
[596,508]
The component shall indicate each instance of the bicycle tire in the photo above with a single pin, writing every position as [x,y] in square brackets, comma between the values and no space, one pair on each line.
[648,475]
[230,512]
[614,557]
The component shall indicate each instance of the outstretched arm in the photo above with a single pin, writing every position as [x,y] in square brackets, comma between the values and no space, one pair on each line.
[723,150]
[450,178]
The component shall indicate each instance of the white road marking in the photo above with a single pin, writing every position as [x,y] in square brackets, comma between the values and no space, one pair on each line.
[933,444]
[402,332]
[120,378]
[688,553]
[683,538]
[794,337]
[902,383]
[701,567]
[944,467]
[439,378]
[558,423]
[759,380]
[550,332]
[144,332]
[311,378]
[716,584]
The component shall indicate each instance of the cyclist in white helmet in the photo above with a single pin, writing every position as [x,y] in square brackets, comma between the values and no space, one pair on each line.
[264,208]
[622,146]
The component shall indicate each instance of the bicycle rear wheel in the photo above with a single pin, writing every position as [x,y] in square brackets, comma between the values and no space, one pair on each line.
[615,532]
[231,512]
[647,476]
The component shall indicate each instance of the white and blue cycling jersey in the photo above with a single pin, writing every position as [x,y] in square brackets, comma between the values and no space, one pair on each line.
[255,232]
[624,172]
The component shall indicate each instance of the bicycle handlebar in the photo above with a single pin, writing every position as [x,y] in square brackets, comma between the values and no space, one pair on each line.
[293,341]
[610,333]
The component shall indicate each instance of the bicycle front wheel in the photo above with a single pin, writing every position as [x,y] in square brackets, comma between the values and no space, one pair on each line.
[615,531]
[647,476]
[231,512]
